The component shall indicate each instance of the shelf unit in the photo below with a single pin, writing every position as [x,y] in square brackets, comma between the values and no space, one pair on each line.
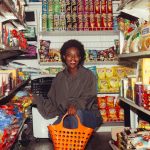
[114,147]
[19,130]
[79,33]
[10,7]
[137,54]
[86,63]
[5,99]
[132,104]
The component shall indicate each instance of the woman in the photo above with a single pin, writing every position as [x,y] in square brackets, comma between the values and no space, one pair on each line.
[73,90]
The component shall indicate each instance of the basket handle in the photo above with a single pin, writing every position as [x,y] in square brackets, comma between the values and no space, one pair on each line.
[77,117]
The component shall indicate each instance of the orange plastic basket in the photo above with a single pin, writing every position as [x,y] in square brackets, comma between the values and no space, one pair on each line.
[69,139]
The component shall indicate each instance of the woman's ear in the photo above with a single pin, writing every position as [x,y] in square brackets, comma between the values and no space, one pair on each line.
[64,57]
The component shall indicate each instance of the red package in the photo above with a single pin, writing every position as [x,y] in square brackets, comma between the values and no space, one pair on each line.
[103,6]
[110,21]
[91,6]
[80,6]
[104,21]
[110,101]
[86,21]
[92,21]
[101,102]
[98,21]
[80,21]
[109,6]
[97,7]
[86,6]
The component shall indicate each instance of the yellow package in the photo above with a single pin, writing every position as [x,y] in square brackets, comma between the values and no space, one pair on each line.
[109,72]
[119,72]
[144,70]
[101,73]
[14,75]
[114,84]
[144,43]
[103,85]
[129,71]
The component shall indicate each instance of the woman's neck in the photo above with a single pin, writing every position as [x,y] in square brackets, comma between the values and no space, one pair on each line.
[73,71]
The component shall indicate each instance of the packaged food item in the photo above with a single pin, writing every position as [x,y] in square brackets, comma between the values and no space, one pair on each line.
[62,26]
[114,84]
[92,55]
[97,7]
[144,43]
[80,21]
[62,6]
[56,7]
[109,6]
[138,93]
[74,21]
[68,21]
[112,114]
[86,5]
[104,114]
[86,21]
[103,6]
[134,42]
[110,21]
[143,70]
[92,21]
[80,6]
[74,4]
[50,6]
[121,114]
[109,72]
[45,7]
[101,73]
[131,87]
[103,85]
[91,5]
[110,101]
[56,22]
[101,102]
[50,22]
[104,21]
[119,72]
[68,6]
[111,54]
[98,21]
[44,22]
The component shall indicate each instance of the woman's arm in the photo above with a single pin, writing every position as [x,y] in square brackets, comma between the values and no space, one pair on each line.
[46,107]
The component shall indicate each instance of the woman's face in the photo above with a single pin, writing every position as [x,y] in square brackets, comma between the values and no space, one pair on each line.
[72,57]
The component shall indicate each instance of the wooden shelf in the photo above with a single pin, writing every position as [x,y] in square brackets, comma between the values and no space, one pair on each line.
[137,54]
[132,104]
[12,92]
[79,33]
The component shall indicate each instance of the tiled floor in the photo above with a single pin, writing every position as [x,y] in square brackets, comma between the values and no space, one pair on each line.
[99,142]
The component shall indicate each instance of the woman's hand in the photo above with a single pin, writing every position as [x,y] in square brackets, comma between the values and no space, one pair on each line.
[72,110]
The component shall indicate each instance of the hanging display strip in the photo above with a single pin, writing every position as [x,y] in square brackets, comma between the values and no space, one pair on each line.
[87,15]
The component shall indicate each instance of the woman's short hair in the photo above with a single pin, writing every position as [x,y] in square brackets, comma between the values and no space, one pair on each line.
[76,44]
